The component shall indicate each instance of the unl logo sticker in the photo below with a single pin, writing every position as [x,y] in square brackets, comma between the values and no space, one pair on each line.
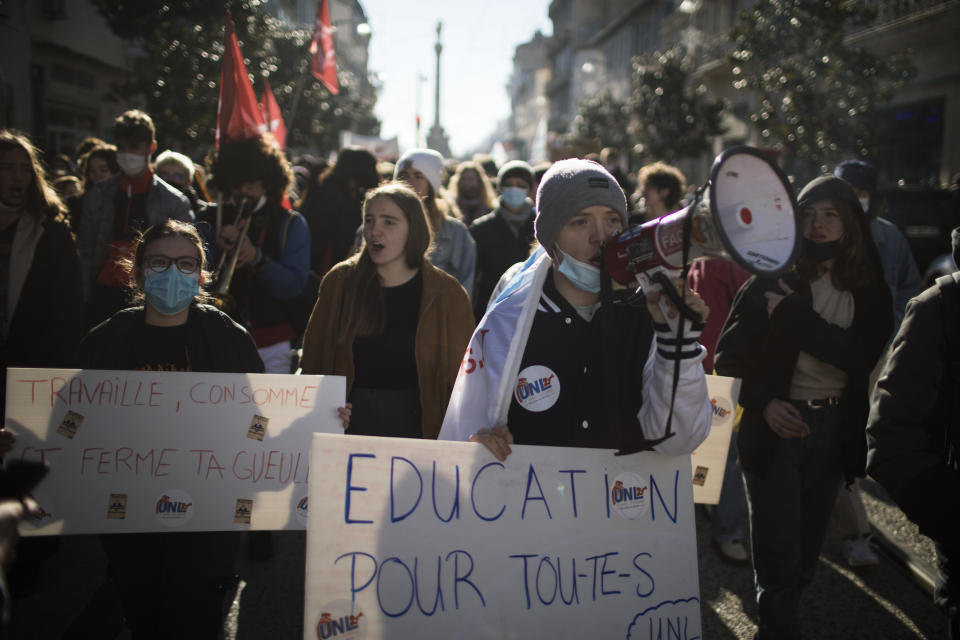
[537,389]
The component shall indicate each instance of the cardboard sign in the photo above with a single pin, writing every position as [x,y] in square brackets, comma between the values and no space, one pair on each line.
[437,539]
[709,461]
[139,451]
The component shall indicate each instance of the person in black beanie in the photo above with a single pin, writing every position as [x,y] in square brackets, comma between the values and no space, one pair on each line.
[503,236]
[804,346]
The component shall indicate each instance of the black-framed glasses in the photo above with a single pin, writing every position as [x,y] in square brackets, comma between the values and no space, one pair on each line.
[160,263]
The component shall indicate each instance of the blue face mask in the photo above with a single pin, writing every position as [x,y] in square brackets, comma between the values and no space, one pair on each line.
[170,291]
[514,197]
[582,275]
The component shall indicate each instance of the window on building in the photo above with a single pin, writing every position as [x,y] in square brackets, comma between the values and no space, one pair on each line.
[69,75]
[649,35]
[915,141]
[67,125]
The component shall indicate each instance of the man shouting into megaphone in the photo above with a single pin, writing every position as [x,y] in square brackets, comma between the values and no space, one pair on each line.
[561,359]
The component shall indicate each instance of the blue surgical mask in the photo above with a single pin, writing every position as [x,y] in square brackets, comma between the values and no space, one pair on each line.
[582,275]
[170,291]
[513,197]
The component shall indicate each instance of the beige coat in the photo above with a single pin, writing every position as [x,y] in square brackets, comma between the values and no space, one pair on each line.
[443,331]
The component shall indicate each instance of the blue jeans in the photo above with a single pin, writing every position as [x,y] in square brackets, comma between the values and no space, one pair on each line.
[789,509]
[728,516]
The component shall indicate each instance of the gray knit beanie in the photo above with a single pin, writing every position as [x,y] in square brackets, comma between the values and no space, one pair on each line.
[568,187]
[515,168]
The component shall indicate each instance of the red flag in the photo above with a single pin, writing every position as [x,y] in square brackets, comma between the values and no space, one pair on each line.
[324,66]
[238,114]
[272,115]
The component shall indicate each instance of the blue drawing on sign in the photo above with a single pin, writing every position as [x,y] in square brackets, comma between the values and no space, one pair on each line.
[393,579]
[669,620]
[573,485]
[455,509]
[473,496]
[393,494]
[531,478]
[656,489]
[350,488]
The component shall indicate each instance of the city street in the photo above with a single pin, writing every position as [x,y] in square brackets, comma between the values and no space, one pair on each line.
[477,225]
[842,604]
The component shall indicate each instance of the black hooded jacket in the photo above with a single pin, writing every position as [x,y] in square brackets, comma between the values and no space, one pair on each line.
[762,349]
[914,430]
[215,343]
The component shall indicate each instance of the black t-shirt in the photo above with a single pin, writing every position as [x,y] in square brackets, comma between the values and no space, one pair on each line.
[388,360]
[161,349]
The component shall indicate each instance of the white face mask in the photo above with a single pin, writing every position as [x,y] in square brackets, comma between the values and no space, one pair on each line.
[582,275]
[865,203]
[131,164]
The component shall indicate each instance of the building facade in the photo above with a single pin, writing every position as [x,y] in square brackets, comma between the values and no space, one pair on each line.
[528,96]
[594,45]
[58,64]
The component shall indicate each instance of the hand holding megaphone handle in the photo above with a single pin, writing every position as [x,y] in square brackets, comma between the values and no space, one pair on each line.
[658,280]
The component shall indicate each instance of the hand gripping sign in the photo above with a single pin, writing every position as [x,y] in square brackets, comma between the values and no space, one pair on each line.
[437,539]
[138,451]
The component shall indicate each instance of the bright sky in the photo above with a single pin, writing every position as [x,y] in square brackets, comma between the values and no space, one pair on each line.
[479,38]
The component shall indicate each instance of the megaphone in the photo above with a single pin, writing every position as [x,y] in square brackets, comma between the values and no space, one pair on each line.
[746,212]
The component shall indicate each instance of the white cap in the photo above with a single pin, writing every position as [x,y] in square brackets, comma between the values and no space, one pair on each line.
[426,161]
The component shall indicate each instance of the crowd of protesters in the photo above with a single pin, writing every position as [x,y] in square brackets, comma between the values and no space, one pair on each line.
[388,274]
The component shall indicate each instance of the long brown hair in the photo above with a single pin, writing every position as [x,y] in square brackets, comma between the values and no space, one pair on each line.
[42,201]
[852,267]
[487,194]
[440,208]
[363,310]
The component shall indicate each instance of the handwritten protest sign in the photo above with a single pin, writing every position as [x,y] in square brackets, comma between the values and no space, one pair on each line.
[426,539]
[709,461]
[137,451]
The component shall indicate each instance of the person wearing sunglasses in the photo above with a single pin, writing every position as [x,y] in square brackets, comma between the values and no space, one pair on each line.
[171,330]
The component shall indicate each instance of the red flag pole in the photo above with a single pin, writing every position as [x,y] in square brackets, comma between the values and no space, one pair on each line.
[298,91]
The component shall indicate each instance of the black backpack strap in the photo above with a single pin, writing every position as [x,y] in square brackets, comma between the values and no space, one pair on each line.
[286,229]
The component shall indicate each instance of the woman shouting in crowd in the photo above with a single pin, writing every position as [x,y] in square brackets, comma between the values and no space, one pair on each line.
[395,325]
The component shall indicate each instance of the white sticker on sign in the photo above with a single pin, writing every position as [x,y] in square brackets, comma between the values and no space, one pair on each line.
[538,388]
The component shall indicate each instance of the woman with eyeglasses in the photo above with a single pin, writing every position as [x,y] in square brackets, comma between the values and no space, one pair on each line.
[173,330]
